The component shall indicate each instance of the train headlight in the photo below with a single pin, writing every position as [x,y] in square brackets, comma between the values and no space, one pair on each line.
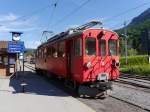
[88,65]
[117,64]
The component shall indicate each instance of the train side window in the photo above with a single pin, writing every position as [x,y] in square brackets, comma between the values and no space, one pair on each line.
[112,47]
[54,51]
[37,54]
[45,52]
[42,53]
[49,51]
[61,49]
[78,47]
[90,46]
[102,47]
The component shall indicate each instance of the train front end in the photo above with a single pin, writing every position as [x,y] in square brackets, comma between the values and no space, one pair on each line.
[100,61]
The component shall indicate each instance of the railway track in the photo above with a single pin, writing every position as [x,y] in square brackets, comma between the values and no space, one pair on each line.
[59,85]
[30,67]
[123,75]
[140,84]
[135,82]
[130,103]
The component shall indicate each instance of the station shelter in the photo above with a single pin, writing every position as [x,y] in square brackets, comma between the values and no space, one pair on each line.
[7,60]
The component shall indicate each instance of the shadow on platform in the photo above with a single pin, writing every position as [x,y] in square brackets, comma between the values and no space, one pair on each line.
[34,84]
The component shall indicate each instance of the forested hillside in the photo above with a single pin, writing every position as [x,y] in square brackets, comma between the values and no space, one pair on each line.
[134,29]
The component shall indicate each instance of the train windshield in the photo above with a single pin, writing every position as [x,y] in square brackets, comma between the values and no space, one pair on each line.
[112,44]
[102,47]
[90,46]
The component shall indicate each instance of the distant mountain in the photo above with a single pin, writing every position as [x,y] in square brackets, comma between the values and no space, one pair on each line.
[141,18]
[30,51]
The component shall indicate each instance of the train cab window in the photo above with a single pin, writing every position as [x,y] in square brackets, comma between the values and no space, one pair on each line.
[112,47]
[102,47]
[78,47]
[90,46]
[61,49]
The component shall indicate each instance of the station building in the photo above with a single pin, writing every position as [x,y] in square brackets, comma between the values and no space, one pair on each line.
[7,60]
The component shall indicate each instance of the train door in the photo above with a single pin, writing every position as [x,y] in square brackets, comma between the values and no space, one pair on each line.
[69,55]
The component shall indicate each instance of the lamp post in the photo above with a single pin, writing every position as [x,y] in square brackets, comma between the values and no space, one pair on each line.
[148,45]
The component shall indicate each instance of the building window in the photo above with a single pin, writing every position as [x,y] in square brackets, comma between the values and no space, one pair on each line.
[1,61]
[5,60]
[78,47]
[90,46]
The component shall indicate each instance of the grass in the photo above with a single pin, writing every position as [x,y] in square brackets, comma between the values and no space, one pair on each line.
[137,69]
[136,65]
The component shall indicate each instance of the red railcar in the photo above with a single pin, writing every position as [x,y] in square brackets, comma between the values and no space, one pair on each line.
[86,57]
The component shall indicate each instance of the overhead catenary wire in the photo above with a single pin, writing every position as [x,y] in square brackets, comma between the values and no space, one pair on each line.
[119,24]
[70,13]
[67,16]
[128,10]
[124,12]
[52,14]
[49,24]
[26,17]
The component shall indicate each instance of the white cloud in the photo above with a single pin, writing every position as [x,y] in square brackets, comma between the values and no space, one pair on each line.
[9,17]
[4,29]
[12,22]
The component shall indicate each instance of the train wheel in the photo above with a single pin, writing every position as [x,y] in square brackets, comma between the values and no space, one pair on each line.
[38,72]
[48,75]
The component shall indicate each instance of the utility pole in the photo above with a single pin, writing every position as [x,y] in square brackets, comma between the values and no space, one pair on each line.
[148,45]
[126,47]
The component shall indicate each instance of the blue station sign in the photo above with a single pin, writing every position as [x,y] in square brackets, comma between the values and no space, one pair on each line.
[16,47]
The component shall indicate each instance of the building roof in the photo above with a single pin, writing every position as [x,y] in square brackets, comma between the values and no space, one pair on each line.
[3,45]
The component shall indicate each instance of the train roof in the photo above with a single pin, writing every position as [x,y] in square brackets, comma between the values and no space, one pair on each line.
[62,36]
[69,34]
[73,32]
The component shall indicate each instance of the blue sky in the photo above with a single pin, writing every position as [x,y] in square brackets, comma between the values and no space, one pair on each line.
[18,15]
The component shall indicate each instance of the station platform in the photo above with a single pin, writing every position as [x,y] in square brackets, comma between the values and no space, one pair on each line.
[39,96]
